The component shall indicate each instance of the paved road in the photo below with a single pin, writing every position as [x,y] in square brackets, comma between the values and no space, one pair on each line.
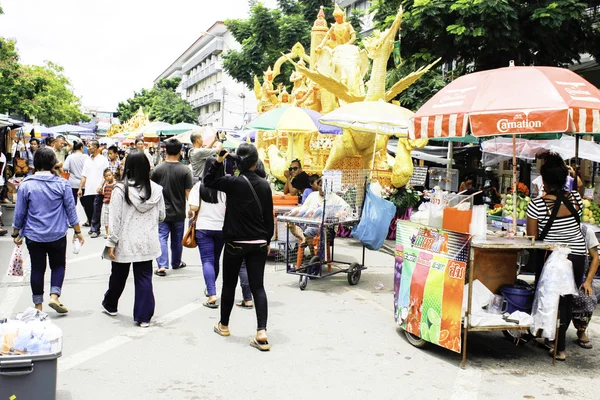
[331,340]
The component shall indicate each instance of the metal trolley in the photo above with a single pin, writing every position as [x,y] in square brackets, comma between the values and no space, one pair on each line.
[349,186]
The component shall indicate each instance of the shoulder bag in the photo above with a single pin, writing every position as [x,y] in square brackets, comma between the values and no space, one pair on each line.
[189,238]
[254,193]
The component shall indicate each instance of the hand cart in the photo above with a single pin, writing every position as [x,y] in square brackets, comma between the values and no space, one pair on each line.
[344,194]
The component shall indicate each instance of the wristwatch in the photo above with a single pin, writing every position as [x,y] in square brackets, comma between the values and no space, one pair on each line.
[14,235]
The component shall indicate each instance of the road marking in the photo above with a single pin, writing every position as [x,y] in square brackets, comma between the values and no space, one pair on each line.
[13,294]
[76,359]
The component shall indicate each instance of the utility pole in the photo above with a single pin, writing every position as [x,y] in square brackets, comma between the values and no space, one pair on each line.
[243,96]
[223,108]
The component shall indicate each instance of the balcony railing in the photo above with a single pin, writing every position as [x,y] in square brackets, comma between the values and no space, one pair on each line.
[200,76]
[204,100]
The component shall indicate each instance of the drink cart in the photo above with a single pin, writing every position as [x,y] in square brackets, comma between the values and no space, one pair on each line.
[342,201]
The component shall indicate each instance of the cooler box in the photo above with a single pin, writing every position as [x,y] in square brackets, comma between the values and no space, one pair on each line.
[28,376]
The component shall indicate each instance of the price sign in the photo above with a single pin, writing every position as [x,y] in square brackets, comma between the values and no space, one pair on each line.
[418,177]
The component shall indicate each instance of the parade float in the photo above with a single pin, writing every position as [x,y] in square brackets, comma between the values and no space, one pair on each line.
[330,76]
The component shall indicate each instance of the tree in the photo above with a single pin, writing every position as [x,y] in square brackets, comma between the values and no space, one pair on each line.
[161,102]
[47,95]
[10,73]
[475,35]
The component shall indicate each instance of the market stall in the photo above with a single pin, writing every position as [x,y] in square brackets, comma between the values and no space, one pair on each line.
[437,281]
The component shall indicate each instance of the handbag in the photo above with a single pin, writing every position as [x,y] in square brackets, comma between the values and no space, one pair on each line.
[15,266]
[189,238]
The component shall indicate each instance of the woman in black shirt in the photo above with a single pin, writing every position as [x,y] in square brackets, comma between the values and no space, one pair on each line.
[247,231]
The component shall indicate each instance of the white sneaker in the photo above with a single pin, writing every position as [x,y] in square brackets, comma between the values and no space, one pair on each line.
[144,324]
[111,313]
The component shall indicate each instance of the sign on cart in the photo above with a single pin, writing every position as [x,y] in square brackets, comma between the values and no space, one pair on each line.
[429,279]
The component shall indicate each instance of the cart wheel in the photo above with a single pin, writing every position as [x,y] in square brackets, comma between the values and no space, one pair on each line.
[315,266]
[354,272]
[415,340]
[303,282]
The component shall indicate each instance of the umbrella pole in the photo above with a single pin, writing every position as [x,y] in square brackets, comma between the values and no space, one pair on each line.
[514,224]
[450,159]
[373,157]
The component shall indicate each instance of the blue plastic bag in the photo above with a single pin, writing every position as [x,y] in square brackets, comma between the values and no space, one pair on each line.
[375,221]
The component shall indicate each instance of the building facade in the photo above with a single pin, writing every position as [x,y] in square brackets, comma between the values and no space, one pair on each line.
[219,100]
[363,6]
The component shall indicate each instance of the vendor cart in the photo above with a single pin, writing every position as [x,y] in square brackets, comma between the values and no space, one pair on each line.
[433,269]
[343,197]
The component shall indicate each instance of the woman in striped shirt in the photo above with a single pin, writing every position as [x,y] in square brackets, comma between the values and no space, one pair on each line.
[555,218]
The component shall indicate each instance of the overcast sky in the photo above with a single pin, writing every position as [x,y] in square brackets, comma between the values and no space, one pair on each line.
[111,48]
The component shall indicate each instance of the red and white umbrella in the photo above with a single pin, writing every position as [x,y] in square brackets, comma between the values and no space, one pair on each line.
[511,101]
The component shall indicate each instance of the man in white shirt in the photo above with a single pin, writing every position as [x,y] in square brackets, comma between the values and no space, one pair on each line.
[91,182]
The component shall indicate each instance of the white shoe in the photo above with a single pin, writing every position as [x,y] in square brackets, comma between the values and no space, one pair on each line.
[144,324]
[111,313]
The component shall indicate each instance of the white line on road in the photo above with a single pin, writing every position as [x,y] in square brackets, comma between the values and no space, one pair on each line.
[13,294]
[76,359]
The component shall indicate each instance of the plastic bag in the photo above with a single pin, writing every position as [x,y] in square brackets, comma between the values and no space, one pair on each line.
[15,266]
[375,222]
[556,280]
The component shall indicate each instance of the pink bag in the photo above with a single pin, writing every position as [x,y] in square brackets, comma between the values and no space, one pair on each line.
[15,266]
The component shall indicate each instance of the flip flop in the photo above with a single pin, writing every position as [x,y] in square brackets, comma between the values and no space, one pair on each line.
[243,304]
[58,307]
[182,265]
[261,345]
[558,358]
[160,273]
[210,304]
[219,331]
[584,344]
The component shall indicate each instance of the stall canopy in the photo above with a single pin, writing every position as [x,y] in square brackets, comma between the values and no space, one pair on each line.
[180,128]
[67,128]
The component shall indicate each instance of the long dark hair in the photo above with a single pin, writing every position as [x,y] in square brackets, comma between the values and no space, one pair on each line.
[245,157]
[209,195]
[137,174]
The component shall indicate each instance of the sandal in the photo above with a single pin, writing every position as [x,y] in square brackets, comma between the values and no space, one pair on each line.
[584,343]
[558,357]
[219,331]
[243,304]
[262,345]
[182,265]
[210,304]
[58,307]
[159,272]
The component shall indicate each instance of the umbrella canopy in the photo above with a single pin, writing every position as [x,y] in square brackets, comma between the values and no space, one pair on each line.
[38,131]
[67,128]
[291,120]
[153,129]
[371,116]
[207,132]
[512,100]
[180,128]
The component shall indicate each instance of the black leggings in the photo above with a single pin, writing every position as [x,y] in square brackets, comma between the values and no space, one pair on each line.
[565,305]
[255,256]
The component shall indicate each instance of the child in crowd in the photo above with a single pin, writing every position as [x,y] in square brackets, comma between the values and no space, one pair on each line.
[108,185]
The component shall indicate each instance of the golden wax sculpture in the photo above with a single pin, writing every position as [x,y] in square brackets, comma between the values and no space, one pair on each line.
[335,74]
[139,120]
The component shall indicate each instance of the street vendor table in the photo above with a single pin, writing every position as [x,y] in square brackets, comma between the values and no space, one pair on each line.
[494,263]
[431,270]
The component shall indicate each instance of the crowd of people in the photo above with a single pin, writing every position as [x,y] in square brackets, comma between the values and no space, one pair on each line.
[140,204]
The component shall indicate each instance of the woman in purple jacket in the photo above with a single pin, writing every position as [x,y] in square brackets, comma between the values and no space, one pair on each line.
[45,209]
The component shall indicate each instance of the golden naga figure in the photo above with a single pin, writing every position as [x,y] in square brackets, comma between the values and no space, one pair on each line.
[341,81]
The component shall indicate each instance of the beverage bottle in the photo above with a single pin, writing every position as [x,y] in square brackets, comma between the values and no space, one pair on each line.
[76,246]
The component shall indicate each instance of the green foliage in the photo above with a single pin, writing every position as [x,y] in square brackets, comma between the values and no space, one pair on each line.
[34,91]
[475,35]
[161,102]
[405,198]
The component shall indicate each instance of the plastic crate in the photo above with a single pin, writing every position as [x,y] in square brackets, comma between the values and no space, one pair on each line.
[29,376]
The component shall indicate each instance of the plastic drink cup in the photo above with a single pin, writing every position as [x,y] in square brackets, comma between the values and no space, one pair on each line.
[76,246]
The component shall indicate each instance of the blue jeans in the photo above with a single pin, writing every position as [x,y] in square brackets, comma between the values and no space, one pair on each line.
[56,253]
[210,245]
[175,230]
[245,283]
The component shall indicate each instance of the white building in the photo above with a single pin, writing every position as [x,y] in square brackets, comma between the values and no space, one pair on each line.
[219,100]
[363,6]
